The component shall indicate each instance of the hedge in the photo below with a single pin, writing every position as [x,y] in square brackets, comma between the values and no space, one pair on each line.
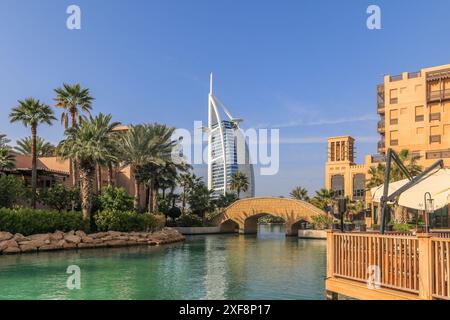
[30,221]
[128,221]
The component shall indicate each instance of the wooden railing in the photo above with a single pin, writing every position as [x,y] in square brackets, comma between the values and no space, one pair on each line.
[395,256]
[440,248]
[418,265]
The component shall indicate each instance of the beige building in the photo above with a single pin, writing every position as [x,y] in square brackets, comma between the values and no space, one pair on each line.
[343,175]
[414,109]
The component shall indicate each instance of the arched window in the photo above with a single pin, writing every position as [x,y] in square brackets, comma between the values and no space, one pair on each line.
[359,186]
[338,185]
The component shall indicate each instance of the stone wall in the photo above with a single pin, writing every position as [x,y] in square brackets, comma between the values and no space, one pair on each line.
[17,243]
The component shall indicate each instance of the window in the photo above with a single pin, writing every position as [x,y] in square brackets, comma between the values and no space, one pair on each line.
[359,180]
[394,117]
[394,138]
[337,185]
[435,134]
[420,114]
[394,96]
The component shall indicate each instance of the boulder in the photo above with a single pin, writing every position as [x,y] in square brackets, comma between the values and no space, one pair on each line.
[39,237]
[69,245]
[72,238]
[11,250]
[80,233]
[7,244]
[98,235]
[20,237]
[57,235]
[87,239]
[5,236]
[32,243]
[28,248]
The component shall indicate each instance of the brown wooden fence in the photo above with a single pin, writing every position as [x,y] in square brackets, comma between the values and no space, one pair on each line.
[395,256]
[440,248]
[413,264]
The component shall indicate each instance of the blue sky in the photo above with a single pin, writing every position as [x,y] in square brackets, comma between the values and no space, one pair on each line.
[307,67]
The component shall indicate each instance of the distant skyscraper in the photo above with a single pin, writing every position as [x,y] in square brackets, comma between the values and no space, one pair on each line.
[227,149]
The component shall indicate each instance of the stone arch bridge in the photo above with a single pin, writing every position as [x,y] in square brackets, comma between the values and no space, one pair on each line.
[243,214]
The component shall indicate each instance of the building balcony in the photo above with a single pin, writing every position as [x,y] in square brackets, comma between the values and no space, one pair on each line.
[381,108]
[379,158]
[381,147]
[396,78]
[439,95]
[381,126]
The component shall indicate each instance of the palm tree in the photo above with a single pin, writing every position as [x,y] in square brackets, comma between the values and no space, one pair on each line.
[408,159]
[145,148]
[43,148]
[32,112]
[323,199]
[161,166]
[239,182]
[88,144]
[4,141]
[74,100]
[300,193]
[187,182]
[7,160]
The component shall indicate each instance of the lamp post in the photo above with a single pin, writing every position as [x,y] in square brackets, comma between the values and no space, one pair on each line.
[429,208]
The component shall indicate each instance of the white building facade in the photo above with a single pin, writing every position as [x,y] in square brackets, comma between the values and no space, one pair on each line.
[228,151]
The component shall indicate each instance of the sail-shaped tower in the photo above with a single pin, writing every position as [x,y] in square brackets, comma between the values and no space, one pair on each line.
[228,151]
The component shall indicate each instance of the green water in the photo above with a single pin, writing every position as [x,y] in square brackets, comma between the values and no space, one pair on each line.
[266,266]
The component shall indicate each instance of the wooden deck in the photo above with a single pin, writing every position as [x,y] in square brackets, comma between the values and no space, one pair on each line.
[373,266]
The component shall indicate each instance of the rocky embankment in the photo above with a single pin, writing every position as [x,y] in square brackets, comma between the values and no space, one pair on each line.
[17,243]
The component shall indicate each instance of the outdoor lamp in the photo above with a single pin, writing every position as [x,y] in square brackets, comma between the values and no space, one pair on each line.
[429,209]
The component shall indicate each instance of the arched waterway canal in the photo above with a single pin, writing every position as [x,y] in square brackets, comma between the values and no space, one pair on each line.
[263,266]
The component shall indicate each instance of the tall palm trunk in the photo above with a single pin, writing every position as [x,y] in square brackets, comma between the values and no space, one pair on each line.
[155,198]
[33,165]
[137,195]
[110,173]
[99,179]
[85,192]
[151,197]
[75,174]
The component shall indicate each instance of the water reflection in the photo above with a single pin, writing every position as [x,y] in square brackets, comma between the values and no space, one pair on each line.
[263,266]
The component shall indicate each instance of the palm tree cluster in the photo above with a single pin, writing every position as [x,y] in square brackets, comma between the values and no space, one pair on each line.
[90,143]
[377,172]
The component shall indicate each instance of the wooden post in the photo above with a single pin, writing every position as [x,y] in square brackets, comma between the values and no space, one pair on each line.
[330,254]
[425,266]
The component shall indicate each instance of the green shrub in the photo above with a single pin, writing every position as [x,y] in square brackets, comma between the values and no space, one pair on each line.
[189,220]
[30,221]
[322,221]
[12,190]
[403,227]
[127,221]
[59,197]
[115,199]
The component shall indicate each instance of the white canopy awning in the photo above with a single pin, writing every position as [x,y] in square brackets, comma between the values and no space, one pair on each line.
[436,183]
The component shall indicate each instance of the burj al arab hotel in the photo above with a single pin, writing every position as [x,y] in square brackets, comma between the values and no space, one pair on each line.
[228,150]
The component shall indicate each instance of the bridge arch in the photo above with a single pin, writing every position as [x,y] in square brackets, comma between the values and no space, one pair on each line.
[243,214]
